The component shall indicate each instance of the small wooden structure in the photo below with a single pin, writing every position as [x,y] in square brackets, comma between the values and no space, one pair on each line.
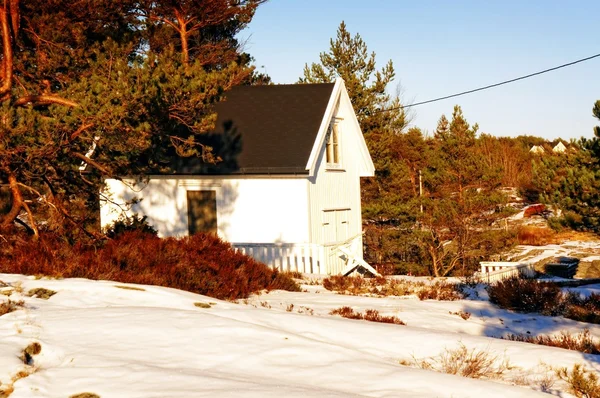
[494,271]
[287,191]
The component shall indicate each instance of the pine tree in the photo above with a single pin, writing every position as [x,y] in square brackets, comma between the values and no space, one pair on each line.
[121,78]
[349,58]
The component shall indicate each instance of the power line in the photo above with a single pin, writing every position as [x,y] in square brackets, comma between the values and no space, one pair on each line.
[490,86]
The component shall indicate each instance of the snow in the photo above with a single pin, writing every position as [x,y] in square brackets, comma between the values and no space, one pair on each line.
[126,342]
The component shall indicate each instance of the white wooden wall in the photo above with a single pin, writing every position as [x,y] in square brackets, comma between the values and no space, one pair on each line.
[249,210]
[334,194]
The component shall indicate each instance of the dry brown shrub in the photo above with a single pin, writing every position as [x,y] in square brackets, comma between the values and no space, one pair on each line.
[582,342]
[463,314]
[356,285]
[41,293]
[202,263]
[371,315]
[85,395]
[10,306]
[475,364]
[582,383]
[535,236]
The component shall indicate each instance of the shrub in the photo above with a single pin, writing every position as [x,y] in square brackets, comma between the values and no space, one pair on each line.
[130,224]
[582,342]
[30,351]
[441,291]
[10,306]
[534,236]
[526,295]
[474,363]
[582,383]
[381,286]
[369,315]
[41,293]
[201,264]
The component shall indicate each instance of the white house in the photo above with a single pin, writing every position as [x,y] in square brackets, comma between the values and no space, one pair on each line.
[537,149]
[559,148]
[287,190]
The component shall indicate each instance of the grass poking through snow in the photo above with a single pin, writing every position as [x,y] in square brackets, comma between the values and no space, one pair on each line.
[369,315]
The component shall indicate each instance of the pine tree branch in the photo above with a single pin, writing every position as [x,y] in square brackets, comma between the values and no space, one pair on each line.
[90,162]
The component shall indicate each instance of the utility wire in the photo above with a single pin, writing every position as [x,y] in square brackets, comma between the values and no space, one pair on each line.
[490,86]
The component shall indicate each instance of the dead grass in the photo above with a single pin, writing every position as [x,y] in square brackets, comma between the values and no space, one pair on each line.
[383,287]
[41,293]
[583,383]
[85,395]
[30,351]
[536,236]
[130,288]
[10,306]
[202,305]
[463,314]
[369,315]
[475,364]
[582,342]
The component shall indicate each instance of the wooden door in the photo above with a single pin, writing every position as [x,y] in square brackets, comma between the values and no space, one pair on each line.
[202,211]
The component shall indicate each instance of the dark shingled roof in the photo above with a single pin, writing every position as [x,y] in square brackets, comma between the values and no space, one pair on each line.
[264,130]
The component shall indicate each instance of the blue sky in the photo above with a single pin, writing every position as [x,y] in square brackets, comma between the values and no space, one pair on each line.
[443,47]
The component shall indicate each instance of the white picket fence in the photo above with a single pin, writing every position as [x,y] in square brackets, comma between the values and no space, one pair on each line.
[494,271]
[302,257]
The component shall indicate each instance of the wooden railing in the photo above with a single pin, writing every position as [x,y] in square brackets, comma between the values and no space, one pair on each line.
[492,272]
[302,257]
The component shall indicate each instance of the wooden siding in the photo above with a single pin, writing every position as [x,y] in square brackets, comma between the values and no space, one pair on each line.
[334,192]
[249,210]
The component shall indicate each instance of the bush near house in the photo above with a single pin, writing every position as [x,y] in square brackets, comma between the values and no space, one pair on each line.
[529,295]
[201,264]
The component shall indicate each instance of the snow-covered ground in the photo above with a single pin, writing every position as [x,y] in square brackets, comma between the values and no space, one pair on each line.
[155,342]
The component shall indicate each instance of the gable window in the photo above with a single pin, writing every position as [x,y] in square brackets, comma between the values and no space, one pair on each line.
[332,154]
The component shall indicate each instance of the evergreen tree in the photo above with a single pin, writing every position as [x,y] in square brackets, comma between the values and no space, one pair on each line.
[121,78]
[461,197]
[349,58]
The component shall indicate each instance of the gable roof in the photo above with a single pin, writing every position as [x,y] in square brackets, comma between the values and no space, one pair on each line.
[264,130]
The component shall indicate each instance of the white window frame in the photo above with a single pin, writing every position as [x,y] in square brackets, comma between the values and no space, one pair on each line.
[333,151]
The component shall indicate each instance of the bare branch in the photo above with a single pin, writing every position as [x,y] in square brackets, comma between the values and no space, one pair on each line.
[38,100]
[91,162]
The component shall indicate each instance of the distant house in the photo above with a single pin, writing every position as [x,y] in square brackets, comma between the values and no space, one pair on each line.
[537,149]
[287,190]
[559,148]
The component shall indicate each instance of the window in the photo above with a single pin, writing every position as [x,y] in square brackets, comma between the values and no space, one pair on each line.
[332,154]
[202,211]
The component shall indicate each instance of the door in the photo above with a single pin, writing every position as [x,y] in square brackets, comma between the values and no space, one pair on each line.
[335,225]
[202,211]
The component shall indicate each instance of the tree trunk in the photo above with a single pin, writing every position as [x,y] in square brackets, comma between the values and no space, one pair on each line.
[17,202]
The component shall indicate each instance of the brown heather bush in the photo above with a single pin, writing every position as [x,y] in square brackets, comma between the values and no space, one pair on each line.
[380,286]
[369,315]
[529,295]
[582,342]
[526,295]
[582,383]
[201,264]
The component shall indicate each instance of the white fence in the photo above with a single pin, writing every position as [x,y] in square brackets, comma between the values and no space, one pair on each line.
[494,271]
[302,257]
